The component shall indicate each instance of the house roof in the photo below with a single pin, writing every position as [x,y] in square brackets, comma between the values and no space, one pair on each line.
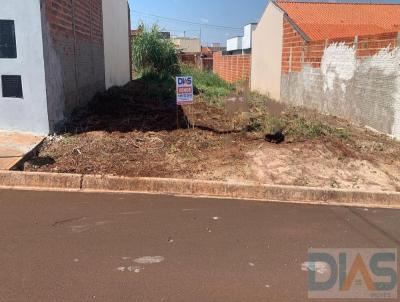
[329,20]
[205,49]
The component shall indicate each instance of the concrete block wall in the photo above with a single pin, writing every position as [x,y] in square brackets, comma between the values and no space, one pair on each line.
[354,77]
[74,50]
[232,68]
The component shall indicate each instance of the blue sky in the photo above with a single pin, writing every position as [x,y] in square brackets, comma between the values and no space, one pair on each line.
[229,13]
[232,14]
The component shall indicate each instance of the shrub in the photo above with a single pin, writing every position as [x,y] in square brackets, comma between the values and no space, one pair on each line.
[152,53]
[208,84]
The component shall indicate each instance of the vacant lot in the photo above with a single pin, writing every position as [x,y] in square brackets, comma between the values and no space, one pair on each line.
[138,131]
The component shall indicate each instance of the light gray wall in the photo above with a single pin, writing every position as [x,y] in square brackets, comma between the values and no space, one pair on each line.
[116,29]
[54,76]
[30,113]
[266,58]
[365,90]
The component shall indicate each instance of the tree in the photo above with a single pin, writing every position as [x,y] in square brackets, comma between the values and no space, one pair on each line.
[152,53]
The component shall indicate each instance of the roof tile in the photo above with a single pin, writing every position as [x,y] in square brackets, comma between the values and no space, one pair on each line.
[321,21]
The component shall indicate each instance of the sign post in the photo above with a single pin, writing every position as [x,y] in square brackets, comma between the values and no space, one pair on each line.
[184,93]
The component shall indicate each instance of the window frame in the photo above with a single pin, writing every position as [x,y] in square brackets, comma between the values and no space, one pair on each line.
[10,51]
[20,89]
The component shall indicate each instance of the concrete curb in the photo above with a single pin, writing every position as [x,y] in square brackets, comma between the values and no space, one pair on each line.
[40,180]
[198,188]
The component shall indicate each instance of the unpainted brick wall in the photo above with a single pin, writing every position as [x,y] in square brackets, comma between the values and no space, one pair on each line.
[76,37]
[189,58]
[297,51]
[353,77]
[232,68]
[195,59]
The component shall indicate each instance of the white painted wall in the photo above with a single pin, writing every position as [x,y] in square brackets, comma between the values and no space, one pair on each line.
[248,35]
[116,29]
[266,64]
[340,66]
[234,44]
[30,113]
[365,90]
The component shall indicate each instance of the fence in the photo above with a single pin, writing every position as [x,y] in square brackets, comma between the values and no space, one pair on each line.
[232,68]
[195,59]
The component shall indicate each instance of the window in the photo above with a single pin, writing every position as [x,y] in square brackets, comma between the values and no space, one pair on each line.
[12,86]
[8,47]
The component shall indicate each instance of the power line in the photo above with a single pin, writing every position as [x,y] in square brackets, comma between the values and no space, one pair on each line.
[189,22]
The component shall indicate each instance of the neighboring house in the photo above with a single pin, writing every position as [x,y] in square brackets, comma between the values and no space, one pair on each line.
[187,45]
[339,58]
[242,44]
[208,51]
[163,34]
[55,55]
[217,48]
[216,45]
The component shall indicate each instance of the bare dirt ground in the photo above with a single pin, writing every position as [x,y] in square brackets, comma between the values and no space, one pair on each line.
[131,133]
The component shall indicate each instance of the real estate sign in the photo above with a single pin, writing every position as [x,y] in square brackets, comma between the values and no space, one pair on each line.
[184,90]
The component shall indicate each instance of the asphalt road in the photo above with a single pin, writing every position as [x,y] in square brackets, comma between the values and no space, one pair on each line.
[83,247]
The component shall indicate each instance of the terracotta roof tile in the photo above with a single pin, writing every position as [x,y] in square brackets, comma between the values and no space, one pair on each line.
[321,21]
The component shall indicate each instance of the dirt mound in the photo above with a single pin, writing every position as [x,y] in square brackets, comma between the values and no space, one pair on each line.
[128,108]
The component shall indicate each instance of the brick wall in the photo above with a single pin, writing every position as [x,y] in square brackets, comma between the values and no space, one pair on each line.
[232,68]
[296,51]
[195,59]
[354,77]
[189,58]
[293,45]
[74,46]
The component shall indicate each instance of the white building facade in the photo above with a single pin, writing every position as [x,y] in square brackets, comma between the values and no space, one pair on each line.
[242,44]
[49,65]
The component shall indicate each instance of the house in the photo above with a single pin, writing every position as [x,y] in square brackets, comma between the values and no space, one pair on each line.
[339,58]
[163,34]
[241,44]
[55,55]
[187,45]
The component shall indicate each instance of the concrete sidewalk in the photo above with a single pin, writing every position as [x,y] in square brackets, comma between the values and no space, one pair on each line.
[14,146]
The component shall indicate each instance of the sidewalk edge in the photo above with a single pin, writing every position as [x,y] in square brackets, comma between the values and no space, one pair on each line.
[198,188]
